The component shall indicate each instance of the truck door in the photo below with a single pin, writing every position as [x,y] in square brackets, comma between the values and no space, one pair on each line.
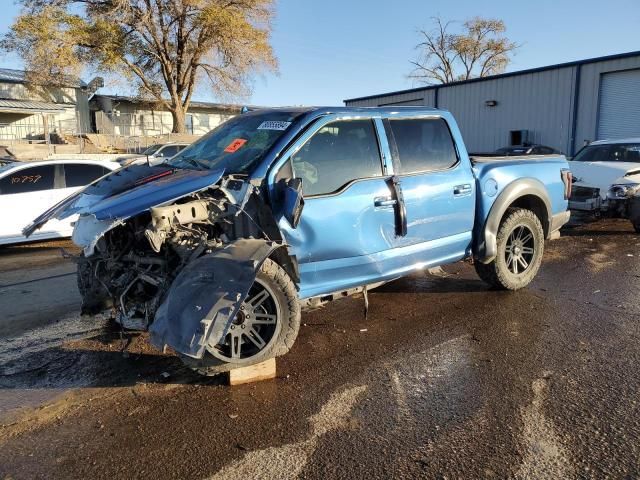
[344,228]
[437,186]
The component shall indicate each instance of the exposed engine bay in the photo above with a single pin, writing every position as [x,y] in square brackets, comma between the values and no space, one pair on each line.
[134,263]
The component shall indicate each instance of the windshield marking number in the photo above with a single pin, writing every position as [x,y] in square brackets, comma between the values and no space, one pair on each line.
[274,125]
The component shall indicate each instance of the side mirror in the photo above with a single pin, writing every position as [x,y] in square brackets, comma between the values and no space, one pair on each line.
[293,201]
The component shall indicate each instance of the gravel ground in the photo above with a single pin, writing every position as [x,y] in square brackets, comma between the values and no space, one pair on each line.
[445,379]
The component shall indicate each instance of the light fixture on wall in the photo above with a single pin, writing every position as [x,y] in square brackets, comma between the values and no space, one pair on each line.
[491,103]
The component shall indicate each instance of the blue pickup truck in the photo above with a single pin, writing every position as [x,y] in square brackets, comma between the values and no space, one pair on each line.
[217,250]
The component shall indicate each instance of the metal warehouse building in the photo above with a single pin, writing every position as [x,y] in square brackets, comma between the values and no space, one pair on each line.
[562,106]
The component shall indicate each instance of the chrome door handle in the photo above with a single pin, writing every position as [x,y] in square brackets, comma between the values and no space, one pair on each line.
[462,189]
[384,202]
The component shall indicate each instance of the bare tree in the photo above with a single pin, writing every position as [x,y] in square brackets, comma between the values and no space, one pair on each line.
[446,57]
[165,47]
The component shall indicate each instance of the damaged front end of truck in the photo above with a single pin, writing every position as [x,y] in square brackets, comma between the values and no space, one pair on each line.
[176,250]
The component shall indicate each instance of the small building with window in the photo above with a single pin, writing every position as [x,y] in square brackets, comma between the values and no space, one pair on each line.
[131,116]
[27,111]
[560,106]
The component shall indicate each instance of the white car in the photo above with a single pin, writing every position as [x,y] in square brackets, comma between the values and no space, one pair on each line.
[27,189]
[606,179]
[156,154]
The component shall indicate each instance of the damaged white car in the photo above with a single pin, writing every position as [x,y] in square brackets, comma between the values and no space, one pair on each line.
[606,180]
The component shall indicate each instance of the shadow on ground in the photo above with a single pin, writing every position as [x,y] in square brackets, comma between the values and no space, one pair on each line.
[104,360]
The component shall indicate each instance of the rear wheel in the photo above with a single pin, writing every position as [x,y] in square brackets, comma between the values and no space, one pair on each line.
[266,325]
[520,242]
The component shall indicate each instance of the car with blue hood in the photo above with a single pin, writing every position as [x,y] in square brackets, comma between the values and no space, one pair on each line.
[217,250]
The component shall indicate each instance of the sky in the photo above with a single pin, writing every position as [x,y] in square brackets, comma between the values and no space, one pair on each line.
[331,50]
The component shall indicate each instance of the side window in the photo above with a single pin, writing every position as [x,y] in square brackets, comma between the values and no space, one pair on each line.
[423,144]
[167,152]
[170,151]
[79,175]
[338,153]
[32,179]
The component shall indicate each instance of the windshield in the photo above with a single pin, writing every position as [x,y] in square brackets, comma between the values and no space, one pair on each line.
[152,149]
[617,152]
[238,144]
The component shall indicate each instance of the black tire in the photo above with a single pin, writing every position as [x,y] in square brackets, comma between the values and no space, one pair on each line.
[636,227]
[283,293]
[508,271]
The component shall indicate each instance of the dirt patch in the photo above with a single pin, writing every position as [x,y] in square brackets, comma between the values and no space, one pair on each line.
[601,260]
[545,456]
[29,420]
[287,461]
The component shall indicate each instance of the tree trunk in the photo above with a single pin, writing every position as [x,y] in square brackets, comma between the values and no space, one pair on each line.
[178,115]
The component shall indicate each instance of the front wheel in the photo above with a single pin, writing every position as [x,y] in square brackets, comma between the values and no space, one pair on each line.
[520,242]
[266,325]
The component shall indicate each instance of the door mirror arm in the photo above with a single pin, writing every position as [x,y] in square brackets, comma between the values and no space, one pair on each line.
[292,200]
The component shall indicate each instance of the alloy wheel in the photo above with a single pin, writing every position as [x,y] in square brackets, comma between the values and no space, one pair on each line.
[520,249]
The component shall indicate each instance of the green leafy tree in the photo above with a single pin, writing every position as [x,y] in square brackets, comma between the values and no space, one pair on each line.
[479,51]
[166,48]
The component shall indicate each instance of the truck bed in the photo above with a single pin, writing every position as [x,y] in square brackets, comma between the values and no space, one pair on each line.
[516,159]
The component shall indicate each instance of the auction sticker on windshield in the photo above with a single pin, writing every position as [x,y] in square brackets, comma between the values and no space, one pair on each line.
[274,125]
[236,145]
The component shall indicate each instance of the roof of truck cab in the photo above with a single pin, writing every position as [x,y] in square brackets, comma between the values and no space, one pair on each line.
[342,109]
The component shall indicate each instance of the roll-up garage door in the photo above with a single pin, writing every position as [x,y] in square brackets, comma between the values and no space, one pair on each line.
[619,112]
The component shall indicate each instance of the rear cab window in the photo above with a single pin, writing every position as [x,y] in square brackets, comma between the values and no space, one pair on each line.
[421,145]
[336,155]
[32,179]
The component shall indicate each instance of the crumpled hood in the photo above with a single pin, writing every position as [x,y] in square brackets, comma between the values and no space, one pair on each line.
[128,192]
[604,174]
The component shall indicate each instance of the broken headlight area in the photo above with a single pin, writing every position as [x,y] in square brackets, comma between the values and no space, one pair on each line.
[133,264]
[623,191]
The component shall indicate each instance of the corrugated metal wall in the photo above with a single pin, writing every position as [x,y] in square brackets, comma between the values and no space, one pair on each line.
[541,102]
[538,102]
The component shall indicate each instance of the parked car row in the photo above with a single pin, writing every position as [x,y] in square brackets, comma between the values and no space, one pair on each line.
[217,249]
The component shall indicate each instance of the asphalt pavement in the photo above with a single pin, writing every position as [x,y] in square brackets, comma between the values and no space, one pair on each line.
[444,379]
